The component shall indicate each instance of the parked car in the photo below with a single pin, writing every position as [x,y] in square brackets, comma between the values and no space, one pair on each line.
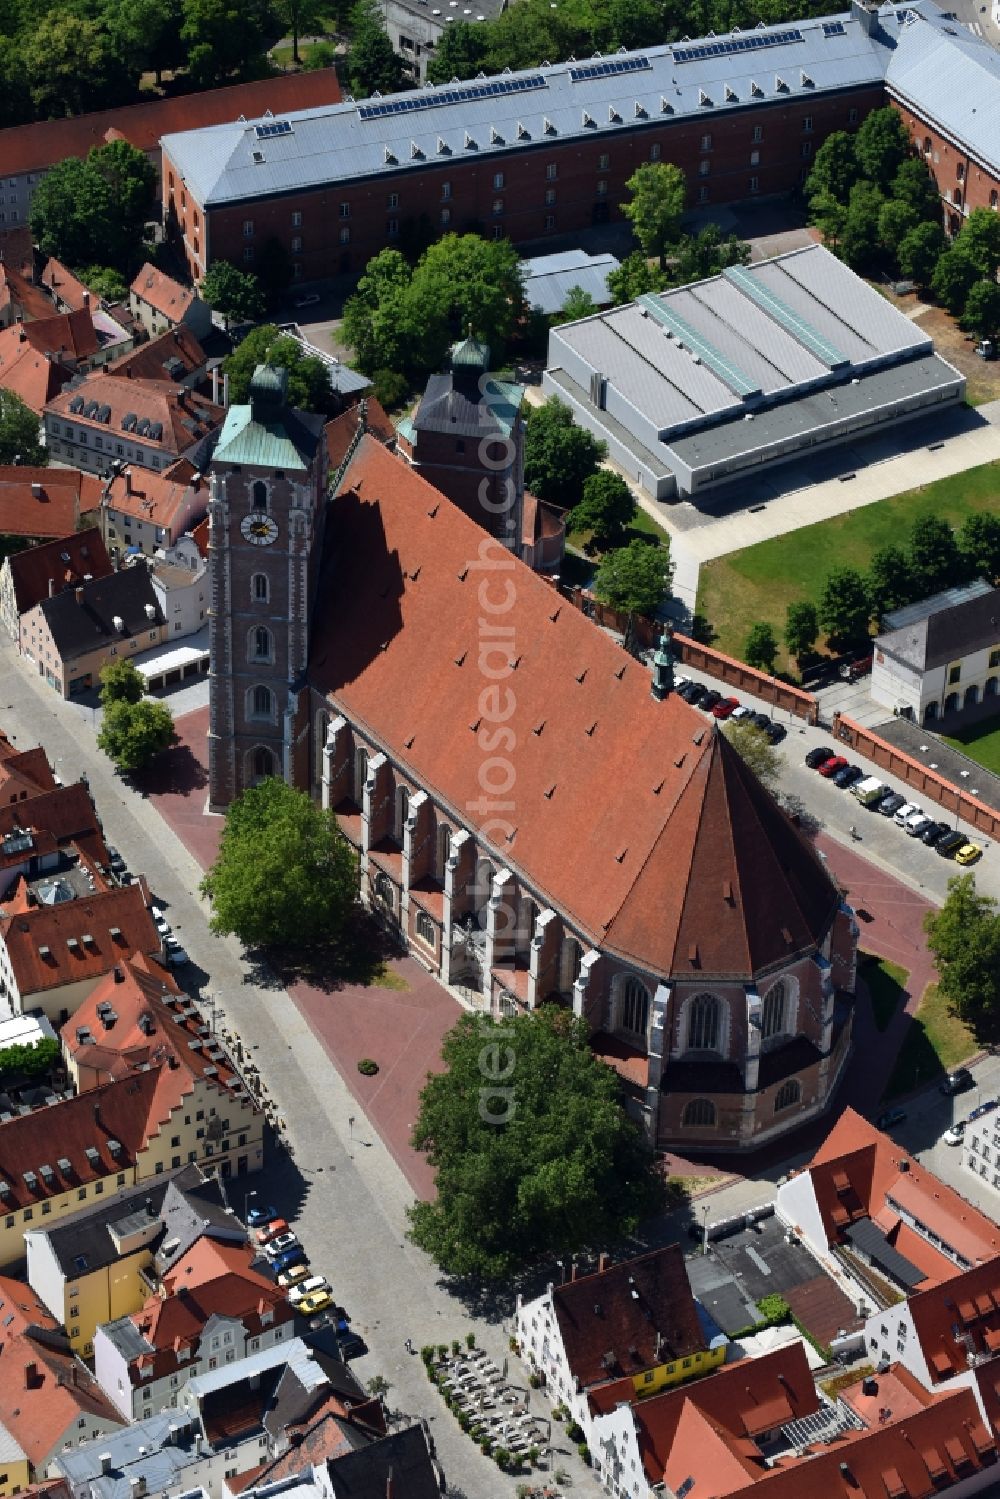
[890,804]
[870,791]
[889,1118]
[933,831]
[760,721]
[956,1134]
[959,1081]
[160,921]
[742,713]
[280,1243]
[915,825]
[115,860]
[316,1301]
[176,954]
[949,845]
[693,692]
[307,1288]
[259,1216]
[905,812]
[351,1345]
[271,1229]
[830,767]
[818,756]
[293,1256]
[725,707]
[776,733]
[968,853]
[710,699]
[293,1277]
[847,775]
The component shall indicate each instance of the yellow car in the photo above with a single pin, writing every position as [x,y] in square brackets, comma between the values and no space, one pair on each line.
[292,1276]
[968,853]
[317,1302]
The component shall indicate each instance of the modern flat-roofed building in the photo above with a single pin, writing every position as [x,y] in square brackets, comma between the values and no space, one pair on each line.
[693,387]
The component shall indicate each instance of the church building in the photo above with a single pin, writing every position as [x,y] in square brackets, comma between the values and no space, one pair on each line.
[540,819]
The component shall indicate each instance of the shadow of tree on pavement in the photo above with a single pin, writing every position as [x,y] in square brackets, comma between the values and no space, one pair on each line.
[359,956]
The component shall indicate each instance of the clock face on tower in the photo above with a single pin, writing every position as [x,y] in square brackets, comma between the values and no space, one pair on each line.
[259,529]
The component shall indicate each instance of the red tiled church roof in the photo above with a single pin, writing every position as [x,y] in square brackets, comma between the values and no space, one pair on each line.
[691,868]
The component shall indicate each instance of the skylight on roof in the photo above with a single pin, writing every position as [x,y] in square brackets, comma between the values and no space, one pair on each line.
[732,45]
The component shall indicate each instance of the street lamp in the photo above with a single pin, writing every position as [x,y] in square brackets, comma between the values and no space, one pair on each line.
[704,1231]
[246,1204]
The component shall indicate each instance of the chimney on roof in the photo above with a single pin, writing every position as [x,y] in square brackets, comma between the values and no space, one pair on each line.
[602,1262]
[78,592]
[86,299]
[225,389]
[137,1485]
[119,976]
[869,1385]
[37,492]
[215,385]
[663,665]
[105,1461]
[128,481]
[572,1270]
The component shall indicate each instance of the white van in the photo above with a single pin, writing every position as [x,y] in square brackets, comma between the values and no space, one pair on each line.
[870,790]
[307,1287]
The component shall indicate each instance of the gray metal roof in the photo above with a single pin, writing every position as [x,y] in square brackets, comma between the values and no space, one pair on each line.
[82,1242]
[872,1242]
[549,279]
[943,628]
[948,598]
[952,77]
[141,1450]
[294,1354]
[527,111]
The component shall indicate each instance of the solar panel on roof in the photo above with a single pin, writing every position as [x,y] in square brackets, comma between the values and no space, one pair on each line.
[272,128]
[609,68]
[729,373]
[793,323]
[833,28]
[732,45]
[490,88]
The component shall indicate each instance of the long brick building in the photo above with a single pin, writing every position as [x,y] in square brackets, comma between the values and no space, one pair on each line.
[548,152]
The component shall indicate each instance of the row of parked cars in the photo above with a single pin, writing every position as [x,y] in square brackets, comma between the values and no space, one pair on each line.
[310,1294]
[711,701]
[878,797]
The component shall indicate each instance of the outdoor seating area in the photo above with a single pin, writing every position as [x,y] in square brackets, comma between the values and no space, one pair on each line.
[494,1412]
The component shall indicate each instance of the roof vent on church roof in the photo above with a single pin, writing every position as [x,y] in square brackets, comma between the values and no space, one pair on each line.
[471,353]
[268,392]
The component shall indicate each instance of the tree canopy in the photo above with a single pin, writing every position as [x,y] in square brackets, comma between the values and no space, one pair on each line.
[236,294]
[964,937]
[753,746]
[121,682]
[285,874]
[761,649]
[91,210]
[132,734]
[308,376]
[533,1152]
[844,608]
[635,579]
[801,628]
[19,440]
[607,509]
[656,201]
[372,65]
[559,456]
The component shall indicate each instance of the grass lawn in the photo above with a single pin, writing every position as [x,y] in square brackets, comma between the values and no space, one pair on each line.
[641,528]
[981,742]
[935,1042]
[885,983]
[759,582]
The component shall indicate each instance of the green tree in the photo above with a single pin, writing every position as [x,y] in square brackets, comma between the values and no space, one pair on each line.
[321,55]
[895,221]
[459,53]
[28,1063]
[72,64]
[377,318]
[954,277]
[92,210]
[19,439]
[982,310]
[936,560]
[654,209]
[559,456]
[534,1157]
[308,377]
[635,276]
[829,214]
[979,241]
[914,185]
[607,509]
[224,37]
[753,746]
[372,65]
[236,294]
[891,581]
[299,18]
[859,242]
[706,253]
[964,937]
[844,608]
[148,32]
[121,682]
[105,282]
[919,252]
[881,145]
[801,629]
[474,285]
[285,874]
[761,649]
[835,169]
[130,179]
[578,304]
[635,579]
[133,734]
[980,544]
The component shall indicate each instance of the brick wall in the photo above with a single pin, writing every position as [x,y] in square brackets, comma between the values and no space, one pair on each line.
[963,184]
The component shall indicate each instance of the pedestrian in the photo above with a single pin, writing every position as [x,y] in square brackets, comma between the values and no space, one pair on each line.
[408,1345]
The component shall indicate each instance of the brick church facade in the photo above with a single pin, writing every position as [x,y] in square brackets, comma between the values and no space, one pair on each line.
[536,823]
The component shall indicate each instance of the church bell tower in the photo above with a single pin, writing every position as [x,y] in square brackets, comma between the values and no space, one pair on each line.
[268,479]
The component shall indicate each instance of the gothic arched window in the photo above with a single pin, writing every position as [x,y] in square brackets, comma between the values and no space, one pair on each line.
[261,590]
[788,1094]
[402,812]
[699,1114]
[425,928]
[263,763]
[704,1023]
[385,890]
[773,1022]
[263,644]
[259,493]
[360,774]
[633,1007]
[263,701]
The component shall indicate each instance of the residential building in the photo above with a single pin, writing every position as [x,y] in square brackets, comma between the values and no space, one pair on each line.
[549,279]
[99,1264]
[27,151]
[981,1143]
[49,1400]
[45,569]
[143,511]
[23,773]
[328,1463]
[635,1325]
[701,938]
[52,841]
[692,387]
[105,417]
[175,354]
[160,303]
[543,535]
[214,1316]
[136,1017]
[181,587]
[940,657]
[70,636]
[27,371]
[20,299]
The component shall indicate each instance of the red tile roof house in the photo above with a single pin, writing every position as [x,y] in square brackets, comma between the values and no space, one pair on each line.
[635,1323]
[49,1400]
[47,568]
[39,831]
[152,423]
[214,1316]
[759,1427]
[149,512]
[161,303]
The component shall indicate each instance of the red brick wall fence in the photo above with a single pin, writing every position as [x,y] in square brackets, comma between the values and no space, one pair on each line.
[887,757]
